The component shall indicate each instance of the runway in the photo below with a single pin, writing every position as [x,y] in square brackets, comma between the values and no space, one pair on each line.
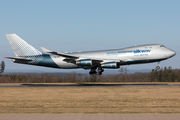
[89,85]
[90,116]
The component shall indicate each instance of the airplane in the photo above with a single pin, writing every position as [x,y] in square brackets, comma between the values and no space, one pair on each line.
[95,61]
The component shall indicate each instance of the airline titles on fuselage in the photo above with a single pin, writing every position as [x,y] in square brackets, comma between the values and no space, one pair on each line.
[135,53]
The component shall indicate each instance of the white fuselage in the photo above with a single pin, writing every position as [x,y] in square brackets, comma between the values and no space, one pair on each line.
[133,55]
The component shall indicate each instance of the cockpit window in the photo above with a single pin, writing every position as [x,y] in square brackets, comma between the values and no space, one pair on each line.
[162,46]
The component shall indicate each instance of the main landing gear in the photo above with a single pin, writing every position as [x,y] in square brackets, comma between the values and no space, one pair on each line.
[158,67]
[98,72]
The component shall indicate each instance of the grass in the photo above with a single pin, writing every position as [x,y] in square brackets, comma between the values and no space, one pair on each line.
[90,100]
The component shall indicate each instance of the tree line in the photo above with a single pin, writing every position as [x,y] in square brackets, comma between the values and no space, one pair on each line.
[2,67]
[163,75]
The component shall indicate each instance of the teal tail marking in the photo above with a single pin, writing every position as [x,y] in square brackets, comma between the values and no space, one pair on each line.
[47,61]
[39,60]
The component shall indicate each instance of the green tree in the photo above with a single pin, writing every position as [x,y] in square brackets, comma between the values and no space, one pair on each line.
[152,75]
[171,77]
[160,74]
[156,75]
[93,78]
[2,67]
[164,75]
[169,71]
[123,70]
[178,75]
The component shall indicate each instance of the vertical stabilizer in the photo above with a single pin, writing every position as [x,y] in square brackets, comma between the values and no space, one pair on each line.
[21,47]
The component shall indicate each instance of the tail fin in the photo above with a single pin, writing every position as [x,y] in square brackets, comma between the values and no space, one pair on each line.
[21,47]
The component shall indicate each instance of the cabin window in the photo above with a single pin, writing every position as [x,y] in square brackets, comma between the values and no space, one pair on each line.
[162,46]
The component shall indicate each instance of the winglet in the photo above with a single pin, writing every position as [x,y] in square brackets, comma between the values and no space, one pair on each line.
[45,50]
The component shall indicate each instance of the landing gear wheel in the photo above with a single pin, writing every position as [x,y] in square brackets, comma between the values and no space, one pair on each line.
[93,72]
[100,70]
[157,67]
[99,73]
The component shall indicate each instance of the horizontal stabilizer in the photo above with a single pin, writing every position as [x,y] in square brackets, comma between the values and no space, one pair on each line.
[22,59]
[60,54]
[45,50]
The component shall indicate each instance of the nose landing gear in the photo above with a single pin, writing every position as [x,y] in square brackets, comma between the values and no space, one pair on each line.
[158,67]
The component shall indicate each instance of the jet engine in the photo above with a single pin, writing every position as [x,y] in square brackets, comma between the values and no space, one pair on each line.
[84,62]
[109,65]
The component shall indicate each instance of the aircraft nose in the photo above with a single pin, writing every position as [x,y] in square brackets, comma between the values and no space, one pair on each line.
[171,53]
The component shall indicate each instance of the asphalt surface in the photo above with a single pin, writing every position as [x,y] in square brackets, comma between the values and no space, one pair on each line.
[90,85]
[89,116]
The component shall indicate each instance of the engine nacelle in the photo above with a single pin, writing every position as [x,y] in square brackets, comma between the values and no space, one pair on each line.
[84,62]
[109,65]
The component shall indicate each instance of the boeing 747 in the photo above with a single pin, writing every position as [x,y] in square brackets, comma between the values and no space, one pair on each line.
[95,61]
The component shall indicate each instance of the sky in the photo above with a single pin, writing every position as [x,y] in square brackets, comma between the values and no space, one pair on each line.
[81,25]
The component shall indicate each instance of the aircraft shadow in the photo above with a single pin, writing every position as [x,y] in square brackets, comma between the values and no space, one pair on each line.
[96,85]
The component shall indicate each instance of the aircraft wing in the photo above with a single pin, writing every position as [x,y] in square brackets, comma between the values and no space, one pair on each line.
[73,59]
[60,54]
[67,56]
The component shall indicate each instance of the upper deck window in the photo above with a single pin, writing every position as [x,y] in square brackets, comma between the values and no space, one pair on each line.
[162,46]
